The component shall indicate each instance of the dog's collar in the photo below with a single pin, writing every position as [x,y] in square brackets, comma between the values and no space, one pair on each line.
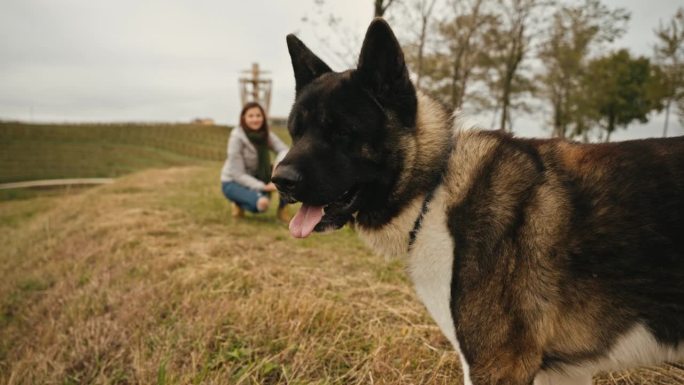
[428,198]
[419,221]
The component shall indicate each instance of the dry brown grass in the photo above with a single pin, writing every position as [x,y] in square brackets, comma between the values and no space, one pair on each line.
[150,281]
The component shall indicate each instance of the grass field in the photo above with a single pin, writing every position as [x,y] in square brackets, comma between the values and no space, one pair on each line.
[150,281]
[54,151]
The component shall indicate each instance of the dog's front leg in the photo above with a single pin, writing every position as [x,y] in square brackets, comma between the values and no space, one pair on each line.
[501,366]
[498,374]
[556,378]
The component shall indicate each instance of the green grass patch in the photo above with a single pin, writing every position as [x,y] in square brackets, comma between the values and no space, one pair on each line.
[53,151]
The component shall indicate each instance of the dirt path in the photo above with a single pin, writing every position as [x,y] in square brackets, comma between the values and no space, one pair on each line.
[55,182]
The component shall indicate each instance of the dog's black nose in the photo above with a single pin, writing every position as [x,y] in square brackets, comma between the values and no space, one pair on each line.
[285,178]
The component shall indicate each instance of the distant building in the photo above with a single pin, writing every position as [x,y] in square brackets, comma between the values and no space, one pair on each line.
[203,121]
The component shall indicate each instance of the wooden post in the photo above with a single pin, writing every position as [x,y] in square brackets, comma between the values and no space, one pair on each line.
[256,88]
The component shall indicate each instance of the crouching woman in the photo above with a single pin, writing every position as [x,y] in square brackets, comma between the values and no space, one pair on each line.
[246,173]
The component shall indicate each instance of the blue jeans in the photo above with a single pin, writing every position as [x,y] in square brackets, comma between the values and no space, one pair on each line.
[245,197]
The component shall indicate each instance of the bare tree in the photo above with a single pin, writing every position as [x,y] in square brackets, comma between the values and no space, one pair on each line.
[338,43]
[381,6]
[509,39]
[669,54]
[443,49]
[463,30]
[415,19]
[425,8]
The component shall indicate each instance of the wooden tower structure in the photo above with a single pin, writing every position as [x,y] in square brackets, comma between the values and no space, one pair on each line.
[254,87]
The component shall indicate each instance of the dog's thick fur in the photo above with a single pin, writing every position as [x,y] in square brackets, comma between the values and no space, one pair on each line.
[542,261]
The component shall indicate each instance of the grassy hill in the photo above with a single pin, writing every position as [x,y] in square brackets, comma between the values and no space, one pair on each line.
[149,280]
[53,151]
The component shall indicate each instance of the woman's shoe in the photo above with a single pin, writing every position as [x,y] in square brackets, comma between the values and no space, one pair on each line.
[283,214]
[238,212]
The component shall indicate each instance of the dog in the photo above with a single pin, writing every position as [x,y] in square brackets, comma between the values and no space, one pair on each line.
[542,261]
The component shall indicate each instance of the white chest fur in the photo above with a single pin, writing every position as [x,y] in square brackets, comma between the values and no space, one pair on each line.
[430,261]
[430,266]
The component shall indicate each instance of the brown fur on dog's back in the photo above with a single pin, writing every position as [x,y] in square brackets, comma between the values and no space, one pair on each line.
[548,235]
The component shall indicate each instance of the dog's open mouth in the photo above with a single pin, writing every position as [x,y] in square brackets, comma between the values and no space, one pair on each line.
[331,216]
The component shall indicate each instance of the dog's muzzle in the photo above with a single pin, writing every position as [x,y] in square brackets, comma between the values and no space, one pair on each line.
[286,178]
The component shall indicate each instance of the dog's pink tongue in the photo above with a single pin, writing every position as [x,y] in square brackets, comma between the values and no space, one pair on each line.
[305,220]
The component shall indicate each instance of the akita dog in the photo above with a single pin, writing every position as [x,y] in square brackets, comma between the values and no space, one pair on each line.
[542,261]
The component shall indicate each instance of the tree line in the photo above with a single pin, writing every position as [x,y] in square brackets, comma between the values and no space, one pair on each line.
[512,57]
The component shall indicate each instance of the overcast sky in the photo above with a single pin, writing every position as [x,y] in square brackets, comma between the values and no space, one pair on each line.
[172,60]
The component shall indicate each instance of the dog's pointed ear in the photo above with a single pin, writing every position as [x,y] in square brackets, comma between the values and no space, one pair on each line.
[382,69]
[307,66]
[381,62]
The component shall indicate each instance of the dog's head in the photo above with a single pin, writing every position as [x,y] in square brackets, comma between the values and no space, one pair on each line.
[345,128]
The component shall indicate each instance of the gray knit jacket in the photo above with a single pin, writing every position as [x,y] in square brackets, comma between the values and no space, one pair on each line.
[242,161]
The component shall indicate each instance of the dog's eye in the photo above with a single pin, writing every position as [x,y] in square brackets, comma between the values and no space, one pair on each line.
[341,134]
[342,131]
[297,129]
[342,137]
[297,124]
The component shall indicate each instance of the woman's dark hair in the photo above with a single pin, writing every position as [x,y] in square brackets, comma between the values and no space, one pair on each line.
[263,130]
